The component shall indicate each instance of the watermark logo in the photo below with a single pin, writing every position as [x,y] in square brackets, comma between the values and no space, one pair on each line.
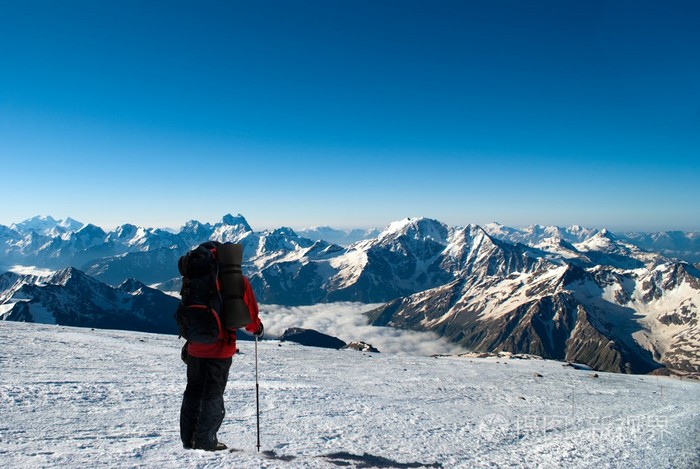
[493,427]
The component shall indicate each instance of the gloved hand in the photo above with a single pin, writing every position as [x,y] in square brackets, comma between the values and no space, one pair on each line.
[260,332]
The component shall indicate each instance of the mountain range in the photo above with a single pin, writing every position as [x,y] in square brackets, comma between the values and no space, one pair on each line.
[70,297]
[576,294]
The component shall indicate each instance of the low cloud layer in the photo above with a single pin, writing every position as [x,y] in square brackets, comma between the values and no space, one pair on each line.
[348,322]
[29,270]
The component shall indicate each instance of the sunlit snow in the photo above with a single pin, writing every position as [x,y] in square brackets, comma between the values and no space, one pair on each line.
[74,397]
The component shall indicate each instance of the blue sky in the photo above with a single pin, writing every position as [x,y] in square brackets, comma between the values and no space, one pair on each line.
[352,114]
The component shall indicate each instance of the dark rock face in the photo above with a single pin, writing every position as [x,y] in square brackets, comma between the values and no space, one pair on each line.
[312,338]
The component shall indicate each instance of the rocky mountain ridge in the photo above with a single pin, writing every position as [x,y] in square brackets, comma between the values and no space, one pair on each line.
[573,293]
[71,298]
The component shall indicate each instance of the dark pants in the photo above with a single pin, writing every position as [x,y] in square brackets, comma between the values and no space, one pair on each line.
[203,402]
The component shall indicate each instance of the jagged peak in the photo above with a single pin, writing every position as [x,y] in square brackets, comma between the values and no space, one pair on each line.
[534,228]
[70,224]
[286,232]
[557,241]
[472,231]
[126,230]
[238,220]
[39,224]
[196,223]
[63,276]
[417,228]
[131,285]
[499,228]
[476,229]
[601,239]
[91,229]
[43,222]
[495,224]
[605,233]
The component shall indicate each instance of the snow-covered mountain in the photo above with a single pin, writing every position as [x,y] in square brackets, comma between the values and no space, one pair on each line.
[47,226]
[69,297]
[535,234]
[600,301]
[673,244]
[683,245]
[565,293]
[604,303]
[336,236]
[75,397]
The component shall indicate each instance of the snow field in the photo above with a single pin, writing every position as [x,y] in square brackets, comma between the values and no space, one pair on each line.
[72,397]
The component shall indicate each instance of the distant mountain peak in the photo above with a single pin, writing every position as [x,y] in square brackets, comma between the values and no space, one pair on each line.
[90,228]
[131,285]
[196,224]
[46,225]
[285,231]
[341,237]
[601,239]
[238,220]
[42,218]
[63,276]
[70,224]
[419,228]
[126,230]
[90,234]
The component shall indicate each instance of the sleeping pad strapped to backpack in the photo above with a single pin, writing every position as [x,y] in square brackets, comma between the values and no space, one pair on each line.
[212,292]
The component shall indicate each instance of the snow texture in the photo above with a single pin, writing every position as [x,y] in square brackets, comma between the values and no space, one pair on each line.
[73,397]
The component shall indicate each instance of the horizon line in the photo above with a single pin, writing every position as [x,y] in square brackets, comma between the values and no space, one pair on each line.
[266,227]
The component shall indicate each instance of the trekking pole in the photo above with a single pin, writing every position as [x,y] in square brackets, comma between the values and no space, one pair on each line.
[257,391]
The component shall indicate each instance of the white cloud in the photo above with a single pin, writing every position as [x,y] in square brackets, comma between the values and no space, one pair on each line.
[31,270]
[347,322]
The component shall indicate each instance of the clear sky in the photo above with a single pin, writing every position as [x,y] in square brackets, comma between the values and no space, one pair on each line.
[352,113]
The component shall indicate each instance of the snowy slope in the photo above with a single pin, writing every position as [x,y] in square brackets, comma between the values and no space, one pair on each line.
[75,398]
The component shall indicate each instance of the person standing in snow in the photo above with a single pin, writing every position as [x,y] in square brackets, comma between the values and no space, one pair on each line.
[208,366]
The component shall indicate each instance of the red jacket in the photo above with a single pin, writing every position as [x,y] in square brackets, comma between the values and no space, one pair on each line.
[225,347]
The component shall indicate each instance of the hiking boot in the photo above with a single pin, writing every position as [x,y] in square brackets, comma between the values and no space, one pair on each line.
[217,447]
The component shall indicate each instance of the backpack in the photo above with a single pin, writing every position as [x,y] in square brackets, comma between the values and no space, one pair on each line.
[212,293]
[199,314]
